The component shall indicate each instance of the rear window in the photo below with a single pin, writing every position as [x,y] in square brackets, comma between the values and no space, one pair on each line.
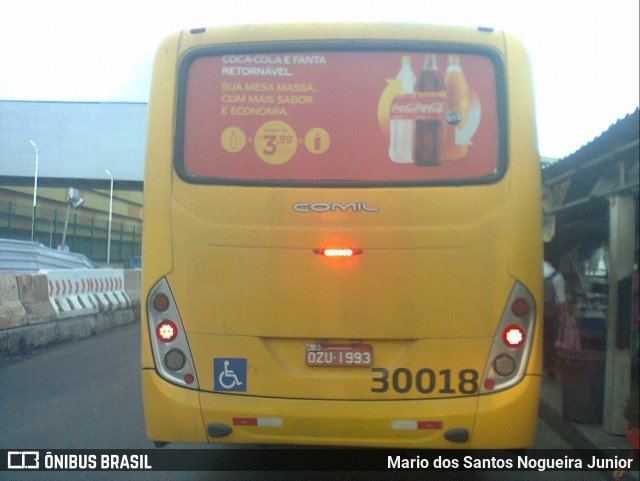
[339,117]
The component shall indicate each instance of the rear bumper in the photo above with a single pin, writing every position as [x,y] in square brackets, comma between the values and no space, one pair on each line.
[182,415]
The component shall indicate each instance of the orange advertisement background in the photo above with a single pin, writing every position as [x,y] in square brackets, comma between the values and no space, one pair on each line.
[333,133]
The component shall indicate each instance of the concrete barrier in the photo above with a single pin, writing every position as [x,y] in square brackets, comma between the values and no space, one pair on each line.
[70,292]
[110,289]
[34,295]
[12,313]
[24,339]
[132,286]
[59,305]
[83,292]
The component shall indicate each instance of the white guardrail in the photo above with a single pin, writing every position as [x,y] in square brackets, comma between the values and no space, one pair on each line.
[30,257]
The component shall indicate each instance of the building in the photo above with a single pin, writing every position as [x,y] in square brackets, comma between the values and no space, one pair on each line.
[590,203]
[75,145]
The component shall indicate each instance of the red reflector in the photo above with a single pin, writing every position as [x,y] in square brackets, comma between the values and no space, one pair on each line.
[245,421]
[429,424]
[167,331]
[338,252]
[513,336]
[188,378]
[489,384]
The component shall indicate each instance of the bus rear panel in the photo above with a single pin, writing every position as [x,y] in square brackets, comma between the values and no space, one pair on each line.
[342,238]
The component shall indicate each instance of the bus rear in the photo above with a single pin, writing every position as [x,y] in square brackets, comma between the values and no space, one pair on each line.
[342,238]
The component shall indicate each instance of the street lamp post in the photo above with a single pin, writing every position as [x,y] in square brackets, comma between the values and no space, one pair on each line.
[73,200]
[110,216]
[35,191]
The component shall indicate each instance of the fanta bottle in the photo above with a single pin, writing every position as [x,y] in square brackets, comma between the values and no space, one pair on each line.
[457,107]
[401,127]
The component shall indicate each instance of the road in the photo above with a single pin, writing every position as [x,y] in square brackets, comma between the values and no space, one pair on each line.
[86,394]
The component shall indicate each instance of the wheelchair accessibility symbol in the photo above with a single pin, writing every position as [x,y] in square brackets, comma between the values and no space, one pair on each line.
[230,374]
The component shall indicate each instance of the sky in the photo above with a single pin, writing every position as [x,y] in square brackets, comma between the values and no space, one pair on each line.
[584,53]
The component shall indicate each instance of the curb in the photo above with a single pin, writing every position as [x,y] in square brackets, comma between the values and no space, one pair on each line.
[21,340]
[567,431]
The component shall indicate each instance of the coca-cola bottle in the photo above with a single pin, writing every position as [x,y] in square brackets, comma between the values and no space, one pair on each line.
[430,106]
[401,127]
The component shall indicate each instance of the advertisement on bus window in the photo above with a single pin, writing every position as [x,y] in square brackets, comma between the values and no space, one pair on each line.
[340,116]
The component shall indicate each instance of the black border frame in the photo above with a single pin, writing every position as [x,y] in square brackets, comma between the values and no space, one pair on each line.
[346,46]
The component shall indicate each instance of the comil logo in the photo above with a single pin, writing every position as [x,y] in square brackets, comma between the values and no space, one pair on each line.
[333,207]
[23,460]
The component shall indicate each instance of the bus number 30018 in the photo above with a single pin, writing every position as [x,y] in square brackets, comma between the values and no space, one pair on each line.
[426,381]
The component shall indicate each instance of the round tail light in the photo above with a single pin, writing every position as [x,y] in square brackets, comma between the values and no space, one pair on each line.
[513,336]
[175,359]
[160,302]
[504,365]
[167,331]
[520,307]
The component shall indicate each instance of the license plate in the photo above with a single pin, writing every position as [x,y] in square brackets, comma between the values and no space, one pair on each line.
[345,355]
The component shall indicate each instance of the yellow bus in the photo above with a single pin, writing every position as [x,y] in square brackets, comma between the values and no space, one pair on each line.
[342,238]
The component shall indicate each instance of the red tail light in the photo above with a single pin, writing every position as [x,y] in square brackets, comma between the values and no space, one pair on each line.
[170,347]
[513,336]
[338,252]
[167,331]
[511,347]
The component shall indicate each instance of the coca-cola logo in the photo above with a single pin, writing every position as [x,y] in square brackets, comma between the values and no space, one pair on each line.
[401,108]
[418,107]
[429,108]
